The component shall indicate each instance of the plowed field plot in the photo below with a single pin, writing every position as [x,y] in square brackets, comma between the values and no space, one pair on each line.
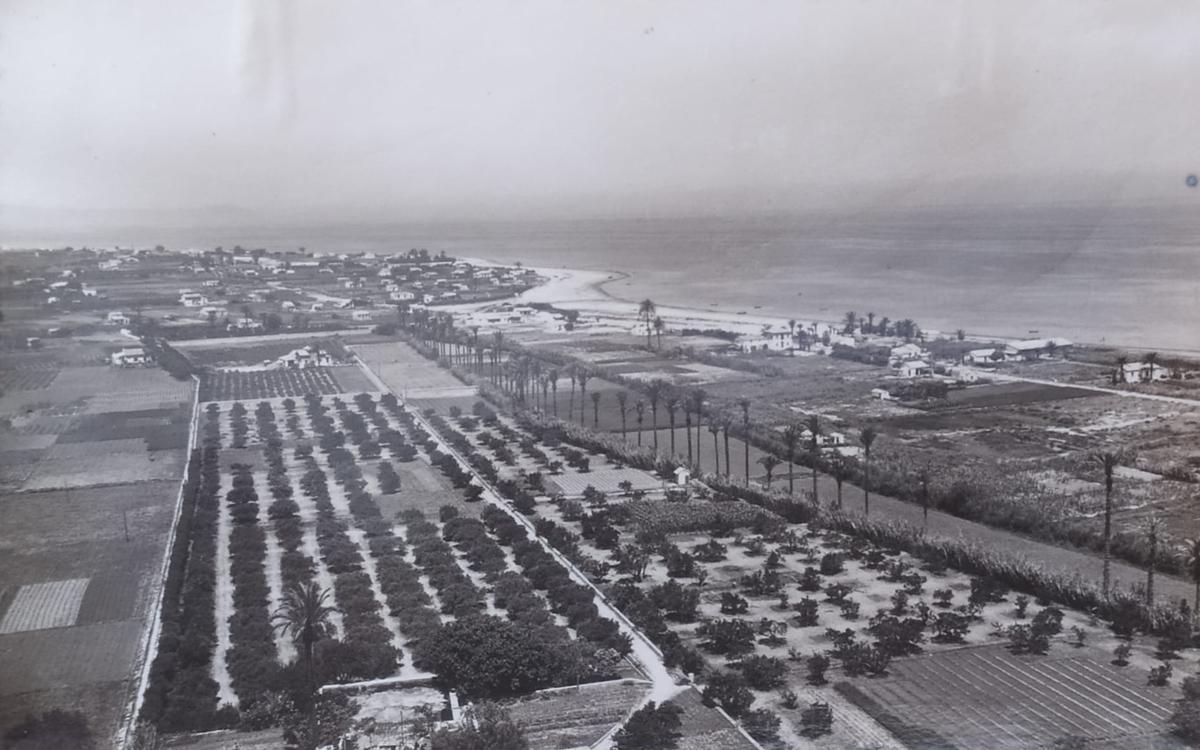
[606,480]
[351,379]
[38,606]
[159,428]
[575,718]
[27,379]
[103,462]
[409,374]
[988,698]
[238,386]
[1007,394]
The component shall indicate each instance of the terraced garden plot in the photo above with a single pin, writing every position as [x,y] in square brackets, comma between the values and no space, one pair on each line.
[38,606]
[16,466]
[569,718]
[222,385]
[988,698]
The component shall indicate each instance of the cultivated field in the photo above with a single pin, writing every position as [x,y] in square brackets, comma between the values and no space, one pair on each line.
[987,697]
[90,467]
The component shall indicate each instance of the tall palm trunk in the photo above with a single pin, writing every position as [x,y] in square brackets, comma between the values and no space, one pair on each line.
[1106,579]
[716,451]
[654,428]
[687,428]
[726,451]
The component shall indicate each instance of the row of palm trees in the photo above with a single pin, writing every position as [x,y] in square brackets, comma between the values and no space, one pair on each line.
[648,314]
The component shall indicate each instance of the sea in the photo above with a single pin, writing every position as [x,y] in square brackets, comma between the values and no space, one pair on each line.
[1127,277]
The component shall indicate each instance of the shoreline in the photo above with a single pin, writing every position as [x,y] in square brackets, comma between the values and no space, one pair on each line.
[585,291]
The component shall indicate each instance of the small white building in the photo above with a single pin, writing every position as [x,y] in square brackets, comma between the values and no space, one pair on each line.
[1143,372]
[360,315]
[134,356]
[982,356]
[906,352]
[193,299]
[882,394]
[917,368]
[402,296]
[117,318]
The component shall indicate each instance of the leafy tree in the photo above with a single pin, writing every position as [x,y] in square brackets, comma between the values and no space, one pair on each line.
[817,665]
[762,724]
[486,657]
[1185,719]
[728,690]
[763,672]
[731,637]
[651,727]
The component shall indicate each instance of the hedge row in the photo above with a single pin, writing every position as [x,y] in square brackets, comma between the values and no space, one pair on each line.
[181,694]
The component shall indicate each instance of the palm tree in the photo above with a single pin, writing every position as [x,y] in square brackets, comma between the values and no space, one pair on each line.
[571,373]
[646,312]
[596,410]
[745,404]
[639,408]
[672,405]
[583,376]
[623,403]
[814,447]
[304,615]
[923,479]
[553,377]
[659,327]
[851,322]
[792,330]
[867,437]
[1191,551]
[1108,461]
[687,426]
[654,392]
[1151,360]
[769,462]
[840,469]
[791,437]
[726,423]
[697,398]
[1153,527]
[1120,374]
[870,327]
[715,429]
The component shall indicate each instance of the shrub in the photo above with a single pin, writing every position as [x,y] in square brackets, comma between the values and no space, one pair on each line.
[729,691]
[832,563]
[817,665]
[763,672]
[762,724]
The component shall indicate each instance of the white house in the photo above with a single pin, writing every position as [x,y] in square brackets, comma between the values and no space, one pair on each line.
[906,352]
[287,304]
[882,394]
[917,368]
[982,356]
[130,357]
[299,359]
[117,318]
[771,340]
[1143,372]
[402,296]
[212,282]
[360,315]
[193,299]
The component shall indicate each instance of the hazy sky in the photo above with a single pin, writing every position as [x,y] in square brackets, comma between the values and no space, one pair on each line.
[412,110]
